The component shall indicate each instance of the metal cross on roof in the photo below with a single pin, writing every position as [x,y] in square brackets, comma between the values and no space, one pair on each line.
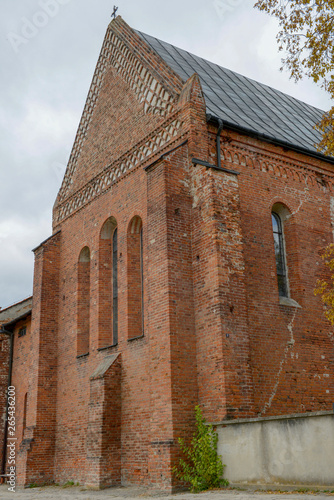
[114,12]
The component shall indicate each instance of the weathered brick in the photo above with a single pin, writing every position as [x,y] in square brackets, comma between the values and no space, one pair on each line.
[208,327]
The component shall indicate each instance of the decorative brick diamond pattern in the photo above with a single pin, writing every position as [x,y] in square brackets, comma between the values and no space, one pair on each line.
[148,90]
[86,117]
[119,168]
[277,166]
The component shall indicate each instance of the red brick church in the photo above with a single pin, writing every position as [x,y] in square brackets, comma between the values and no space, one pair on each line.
[186,245]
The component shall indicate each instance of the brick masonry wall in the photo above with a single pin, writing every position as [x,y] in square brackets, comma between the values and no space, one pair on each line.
[23,359]
[291,349]
[214,330]
[127,199]
[225,386]
[104,425]
[171,313]
[39,435]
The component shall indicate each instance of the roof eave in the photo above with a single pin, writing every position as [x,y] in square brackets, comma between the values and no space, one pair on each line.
[269,139]
[13,322]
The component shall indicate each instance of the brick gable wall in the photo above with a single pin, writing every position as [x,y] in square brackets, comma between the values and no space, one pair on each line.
[214,330]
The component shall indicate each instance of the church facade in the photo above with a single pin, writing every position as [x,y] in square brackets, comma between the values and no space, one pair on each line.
[187,241]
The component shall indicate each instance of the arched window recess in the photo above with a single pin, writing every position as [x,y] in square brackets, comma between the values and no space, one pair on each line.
[108,285]
[135,279]
[83,303]
[284,238]
[280,256]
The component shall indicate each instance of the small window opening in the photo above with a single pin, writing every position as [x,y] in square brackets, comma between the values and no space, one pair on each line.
[24,422]
[280,255]
[22,331]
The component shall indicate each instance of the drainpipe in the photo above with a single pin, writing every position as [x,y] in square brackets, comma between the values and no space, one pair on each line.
[220,128]
[4,454]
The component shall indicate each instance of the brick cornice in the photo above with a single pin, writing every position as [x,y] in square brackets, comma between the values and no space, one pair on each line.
[257,159]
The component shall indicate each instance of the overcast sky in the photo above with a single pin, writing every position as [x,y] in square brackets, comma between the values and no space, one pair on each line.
[49,49]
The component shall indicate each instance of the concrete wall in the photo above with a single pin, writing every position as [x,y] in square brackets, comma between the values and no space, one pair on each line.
[286,450]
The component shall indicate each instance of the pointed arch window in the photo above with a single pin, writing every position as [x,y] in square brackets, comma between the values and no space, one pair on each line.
[114,288]
[24,420]
[83,302]
[135,279]
[281,268]
[108,284]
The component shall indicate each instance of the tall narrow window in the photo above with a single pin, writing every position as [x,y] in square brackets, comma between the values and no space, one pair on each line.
[280,255]
[24,421]
[142,278]
[108,285]
[135,279]
[114,289]
[83,302]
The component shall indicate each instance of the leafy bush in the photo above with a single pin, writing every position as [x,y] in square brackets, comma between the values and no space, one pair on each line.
[324,288]
[203,467]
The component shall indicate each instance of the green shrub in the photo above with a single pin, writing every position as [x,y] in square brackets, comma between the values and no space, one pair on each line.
[33,485]
[69,484]
[202,467]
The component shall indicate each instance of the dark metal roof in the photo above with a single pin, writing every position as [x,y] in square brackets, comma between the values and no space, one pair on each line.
[243,102]
[16,311]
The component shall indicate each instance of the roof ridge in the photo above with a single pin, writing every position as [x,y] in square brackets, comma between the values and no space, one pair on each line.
[244,102]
